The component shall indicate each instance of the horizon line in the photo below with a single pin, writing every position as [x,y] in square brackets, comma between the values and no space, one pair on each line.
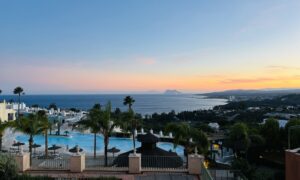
[151,92]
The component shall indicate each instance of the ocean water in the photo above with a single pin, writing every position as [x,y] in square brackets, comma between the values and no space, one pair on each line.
[144,104]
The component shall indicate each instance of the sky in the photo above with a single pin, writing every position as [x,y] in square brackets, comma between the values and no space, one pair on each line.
[115,46]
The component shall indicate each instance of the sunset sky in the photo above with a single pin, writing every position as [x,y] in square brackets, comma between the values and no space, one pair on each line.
[117,46]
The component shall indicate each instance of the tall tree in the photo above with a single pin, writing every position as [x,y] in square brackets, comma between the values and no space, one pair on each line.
[19,91]
[31,125]
[58,123]
[128,101]
[294,133]
[91,123]
[270,131]
[238,138]
[100,121]
[184,133]
[45,125]
[107,125]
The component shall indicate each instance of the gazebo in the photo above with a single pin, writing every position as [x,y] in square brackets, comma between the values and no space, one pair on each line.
[152,156]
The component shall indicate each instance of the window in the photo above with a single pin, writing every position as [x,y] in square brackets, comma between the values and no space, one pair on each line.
[10,116]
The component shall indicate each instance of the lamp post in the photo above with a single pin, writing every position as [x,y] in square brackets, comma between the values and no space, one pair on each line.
[289,134]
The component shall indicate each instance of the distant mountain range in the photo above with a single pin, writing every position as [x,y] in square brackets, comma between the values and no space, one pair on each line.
[252,94]
[169,91]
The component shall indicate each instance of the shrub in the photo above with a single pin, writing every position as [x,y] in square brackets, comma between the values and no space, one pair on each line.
[8,167]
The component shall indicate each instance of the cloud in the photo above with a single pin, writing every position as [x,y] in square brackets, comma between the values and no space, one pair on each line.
[261,80]
[246,80]
[280,67]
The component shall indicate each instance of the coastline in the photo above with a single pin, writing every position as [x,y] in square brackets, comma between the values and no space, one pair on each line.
[146,104]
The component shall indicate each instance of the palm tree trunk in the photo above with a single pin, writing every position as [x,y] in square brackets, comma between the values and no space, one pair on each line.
[30,148]
[133,139]
[95,144]
[105,148]
[19,106]
[133,135]
[46,143]
[185,152]
[58,128]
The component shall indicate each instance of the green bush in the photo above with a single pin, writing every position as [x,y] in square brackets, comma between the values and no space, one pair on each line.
[8,167]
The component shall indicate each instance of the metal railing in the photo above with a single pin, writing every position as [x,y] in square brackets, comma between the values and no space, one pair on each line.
[50,164]
[113,163]
[165,163]
[205,174]
[223,174]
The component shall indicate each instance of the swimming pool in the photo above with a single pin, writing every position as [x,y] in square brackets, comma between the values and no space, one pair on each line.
[85,141]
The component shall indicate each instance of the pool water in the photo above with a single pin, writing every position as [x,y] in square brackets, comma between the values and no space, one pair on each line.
[86,141]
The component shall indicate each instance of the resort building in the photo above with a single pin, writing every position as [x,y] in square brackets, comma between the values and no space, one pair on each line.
[7,113]
[214,126]
[292,164]
[22,106]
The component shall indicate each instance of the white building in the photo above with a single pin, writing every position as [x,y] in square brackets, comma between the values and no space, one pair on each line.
[22,106]
[214,126]
[7,113]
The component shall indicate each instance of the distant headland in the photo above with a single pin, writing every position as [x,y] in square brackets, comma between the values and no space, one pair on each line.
[172,92]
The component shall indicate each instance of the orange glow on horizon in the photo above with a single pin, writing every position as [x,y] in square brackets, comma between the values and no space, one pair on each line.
[76,79]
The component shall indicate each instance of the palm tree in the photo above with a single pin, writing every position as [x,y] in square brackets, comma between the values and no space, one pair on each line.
[18,90]
[45,124]
[188,136]
[107,125]
[31,125]
[238,138]
[128,100]
[91,122]
[58,123]
[3,126]
[100,121]
[51,124]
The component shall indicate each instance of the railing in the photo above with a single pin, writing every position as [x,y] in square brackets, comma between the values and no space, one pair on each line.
[113,163]
[163,163]
[205,174]
[50,164]
[218,174]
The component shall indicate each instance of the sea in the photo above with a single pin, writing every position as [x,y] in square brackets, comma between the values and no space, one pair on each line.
[144,103]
